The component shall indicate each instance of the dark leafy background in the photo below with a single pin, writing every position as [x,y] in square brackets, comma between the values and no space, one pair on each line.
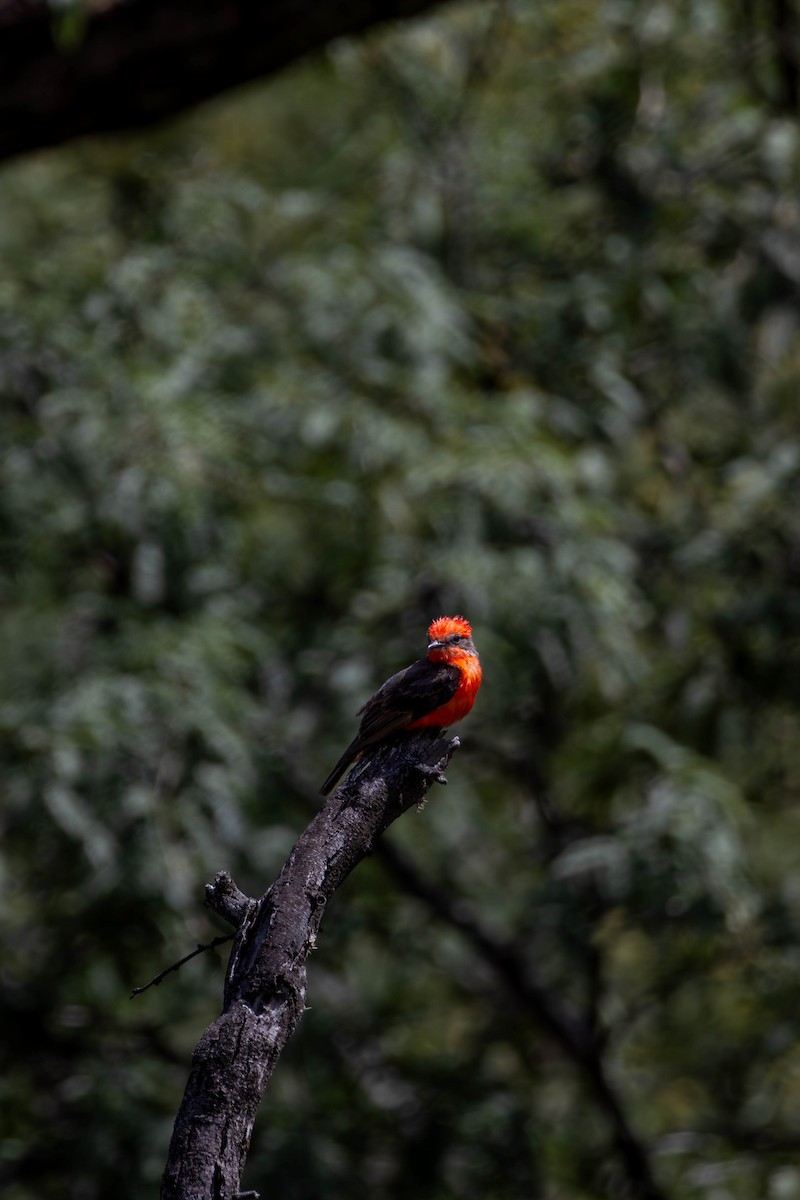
[495,313]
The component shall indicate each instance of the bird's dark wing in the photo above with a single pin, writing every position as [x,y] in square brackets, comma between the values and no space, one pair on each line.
[408,695]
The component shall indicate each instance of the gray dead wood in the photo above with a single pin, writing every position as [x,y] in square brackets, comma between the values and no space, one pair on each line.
[265,988]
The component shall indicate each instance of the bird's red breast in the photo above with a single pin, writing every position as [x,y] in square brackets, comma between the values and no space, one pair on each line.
[442,650]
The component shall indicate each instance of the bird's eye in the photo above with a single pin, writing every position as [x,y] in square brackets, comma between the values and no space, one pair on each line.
[455,637]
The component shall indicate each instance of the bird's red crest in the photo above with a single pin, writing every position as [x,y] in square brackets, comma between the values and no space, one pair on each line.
[442,627]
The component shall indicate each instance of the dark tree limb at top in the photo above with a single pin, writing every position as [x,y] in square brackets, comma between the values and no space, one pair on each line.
[138,61]
[265,988]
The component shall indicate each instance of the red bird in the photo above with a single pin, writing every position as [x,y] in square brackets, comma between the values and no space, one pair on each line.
[433,692]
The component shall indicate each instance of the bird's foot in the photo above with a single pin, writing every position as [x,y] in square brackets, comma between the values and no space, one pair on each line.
[435,774]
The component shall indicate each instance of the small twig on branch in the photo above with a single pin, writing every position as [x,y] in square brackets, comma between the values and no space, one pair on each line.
[201,948]
[230,903]
[227,900]
[265,987]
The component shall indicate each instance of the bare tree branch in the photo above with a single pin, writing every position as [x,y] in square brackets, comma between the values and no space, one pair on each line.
[137,61]
[265,989]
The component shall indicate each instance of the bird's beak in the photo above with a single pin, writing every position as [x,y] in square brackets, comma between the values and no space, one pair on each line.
[435,645]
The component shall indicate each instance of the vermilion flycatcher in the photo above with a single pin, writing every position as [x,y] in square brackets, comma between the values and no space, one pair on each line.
[433,692]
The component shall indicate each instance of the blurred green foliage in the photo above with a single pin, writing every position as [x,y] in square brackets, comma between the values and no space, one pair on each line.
[494,313]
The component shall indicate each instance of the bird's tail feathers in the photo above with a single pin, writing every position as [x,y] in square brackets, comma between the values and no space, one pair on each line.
[350,755]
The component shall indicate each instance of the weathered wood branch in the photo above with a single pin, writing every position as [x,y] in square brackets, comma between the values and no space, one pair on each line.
[265,988]
[133,62]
